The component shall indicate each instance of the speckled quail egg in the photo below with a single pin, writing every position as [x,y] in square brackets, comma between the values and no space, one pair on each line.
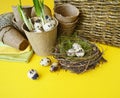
[48,26]
[53,22]
[80,53]
[71,52]
[38,26]
[45,61]
[48,18]
[38,31]
[76,47]
[32,74]
[54,66]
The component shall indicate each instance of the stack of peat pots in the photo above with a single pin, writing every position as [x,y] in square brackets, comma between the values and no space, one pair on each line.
[67,16]
[9,35]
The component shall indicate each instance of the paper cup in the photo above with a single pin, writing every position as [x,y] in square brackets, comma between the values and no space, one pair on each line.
[66,13]
[42,43]
[10,36]
[46,10]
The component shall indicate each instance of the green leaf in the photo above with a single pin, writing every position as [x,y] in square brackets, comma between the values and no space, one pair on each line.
[30,22]
[42,9]
[37,8]
[20,3]
[23,16]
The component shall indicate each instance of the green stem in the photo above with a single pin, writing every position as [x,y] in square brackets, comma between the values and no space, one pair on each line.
[27,22]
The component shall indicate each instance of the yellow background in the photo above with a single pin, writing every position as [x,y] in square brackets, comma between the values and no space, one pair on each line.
[103,82]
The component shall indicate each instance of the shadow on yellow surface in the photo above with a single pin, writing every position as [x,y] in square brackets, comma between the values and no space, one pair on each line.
[101,82]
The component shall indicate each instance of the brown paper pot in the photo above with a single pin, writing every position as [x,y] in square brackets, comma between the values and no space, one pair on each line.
[42,43]
[68,32]
[18,26]
[68,25]
[10,36]
[26,9]
[66,13]
[46,10]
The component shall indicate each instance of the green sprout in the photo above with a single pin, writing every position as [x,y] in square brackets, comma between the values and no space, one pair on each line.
[39,9]
[26,20]
[20,3]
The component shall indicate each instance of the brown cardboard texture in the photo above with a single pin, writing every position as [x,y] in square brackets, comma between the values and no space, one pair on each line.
[18,26]
[10,36]
[26,9]
[69,31]
[42,43]
[66,12]
[68,25]
[46,10]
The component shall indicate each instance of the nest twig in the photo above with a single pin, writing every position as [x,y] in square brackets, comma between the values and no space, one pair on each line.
[92,57]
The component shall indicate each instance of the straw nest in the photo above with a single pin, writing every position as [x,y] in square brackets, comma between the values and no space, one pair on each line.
[92,56]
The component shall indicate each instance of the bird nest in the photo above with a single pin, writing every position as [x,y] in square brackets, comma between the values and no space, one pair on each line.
[93,55]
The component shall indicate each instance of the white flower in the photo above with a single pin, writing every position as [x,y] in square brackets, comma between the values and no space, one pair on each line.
[45,61]
[71,52]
